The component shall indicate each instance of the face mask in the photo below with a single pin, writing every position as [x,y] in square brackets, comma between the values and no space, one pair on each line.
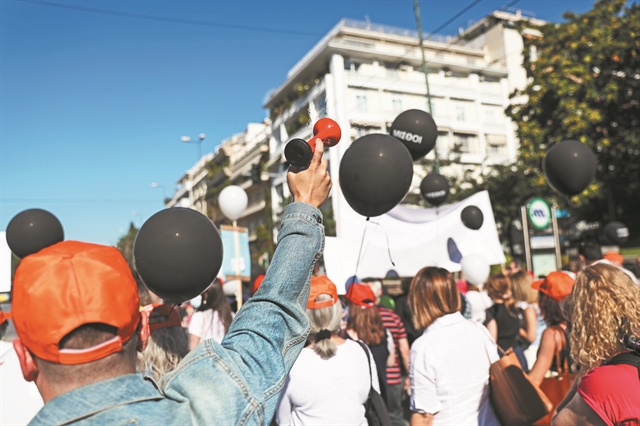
[196,302]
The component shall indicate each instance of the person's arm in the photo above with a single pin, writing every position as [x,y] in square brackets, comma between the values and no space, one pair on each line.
[285,407]
[420,419]
[268,333]
[577,412]
[492,326]
[193,341]
[529,331]
[195,329]
[403,346]
[546,352]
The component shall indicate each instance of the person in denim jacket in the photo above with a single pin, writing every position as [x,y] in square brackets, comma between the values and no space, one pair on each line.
[86,373]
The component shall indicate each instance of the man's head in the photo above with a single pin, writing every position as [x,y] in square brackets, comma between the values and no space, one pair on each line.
[76,313]
[590,252]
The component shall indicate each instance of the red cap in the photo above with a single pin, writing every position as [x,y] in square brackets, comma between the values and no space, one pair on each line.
[4,316]
[614,257]
[257,283]
[557,285]
[163,315]
[322,285]
[69,284]
[361,295]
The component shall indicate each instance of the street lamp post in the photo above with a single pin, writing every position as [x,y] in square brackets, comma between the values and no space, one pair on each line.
[187,139]
[164,190]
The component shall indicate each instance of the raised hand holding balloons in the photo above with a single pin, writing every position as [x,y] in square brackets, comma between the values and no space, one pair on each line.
[233,201]
[416,130]
[178,253]
[375,174]
[475,269]
[32,230]
[472,217]
[299,152]
[569,167]
[434,188]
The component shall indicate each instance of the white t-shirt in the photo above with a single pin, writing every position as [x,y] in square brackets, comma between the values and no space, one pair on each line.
[450,372]
[207,325]
[479,302]
[328,392]
[20,400]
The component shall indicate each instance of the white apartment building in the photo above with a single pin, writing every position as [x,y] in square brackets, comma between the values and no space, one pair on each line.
[363,75]
[232,161]
[191,188]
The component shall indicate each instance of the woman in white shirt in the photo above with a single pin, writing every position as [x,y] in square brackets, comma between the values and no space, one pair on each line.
[330,381]
[450,363]
[213,316]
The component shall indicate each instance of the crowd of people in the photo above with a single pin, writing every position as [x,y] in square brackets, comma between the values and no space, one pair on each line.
[100,351]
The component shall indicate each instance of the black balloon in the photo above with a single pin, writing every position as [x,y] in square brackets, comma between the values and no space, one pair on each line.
[178,253]
[434,189]
[569,167]
[472,217]
[32,230]
[616,233]
[375,174]
[416,130]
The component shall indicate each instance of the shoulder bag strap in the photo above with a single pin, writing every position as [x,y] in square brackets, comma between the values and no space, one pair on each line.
[364,348]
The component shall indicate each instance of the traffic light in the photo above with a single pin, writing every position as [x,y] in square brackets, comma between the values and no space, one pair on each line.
[256,173]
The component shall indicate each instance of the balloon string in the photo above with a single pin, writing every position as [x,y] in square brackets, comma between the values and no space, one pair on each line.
[387,238]
[360,251]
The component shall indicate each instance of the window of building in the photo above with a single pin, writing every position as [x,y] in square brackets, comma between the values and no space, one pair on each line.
[464,111]
[493,114]
[361,102]
[467,143]
[321,105]
[396,103]
[496,144]
[360,131]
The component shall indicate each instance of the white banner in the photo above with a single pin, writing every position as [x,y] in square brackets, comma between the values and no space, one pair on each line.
[413,237]
[5,264]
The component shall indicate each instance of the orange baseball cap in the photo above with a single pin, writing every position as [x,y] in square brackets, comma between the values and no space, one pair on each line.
[557,285]
[67,285]
[614,257]
[322,285]
[361,295]
[163,315]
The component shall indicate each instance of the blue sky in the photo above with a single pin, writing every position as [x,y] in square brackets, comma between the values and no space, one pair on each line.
[95,95]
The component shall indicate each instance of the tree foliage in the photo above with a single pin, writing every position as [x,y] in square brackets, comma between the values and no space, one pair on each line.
[125,245]
[585,85]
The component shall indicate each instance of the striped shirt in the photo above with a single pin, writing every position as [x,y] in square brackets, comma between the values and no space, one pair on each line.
[392,322]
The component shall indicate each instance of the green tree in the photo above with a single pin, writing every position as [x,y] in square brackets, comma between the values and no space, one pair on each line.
[125,245]
[585,85]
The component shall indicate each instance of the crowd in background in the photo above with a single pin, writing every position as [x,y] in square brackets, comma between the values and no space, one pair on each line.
[428,350]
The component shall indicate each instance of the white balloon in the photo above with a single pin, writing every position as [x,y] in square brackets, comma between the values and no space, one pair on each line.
[230,287]
[233,201]
[475,269]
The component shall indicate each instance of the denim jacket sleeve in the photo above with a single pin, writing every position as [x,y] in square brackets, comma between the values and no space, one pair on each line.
[268,333]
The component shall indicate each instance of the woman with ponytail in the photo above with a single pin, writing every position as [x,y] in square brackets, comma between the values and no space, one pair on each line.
[503,319]
[213,315]
[329,382]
